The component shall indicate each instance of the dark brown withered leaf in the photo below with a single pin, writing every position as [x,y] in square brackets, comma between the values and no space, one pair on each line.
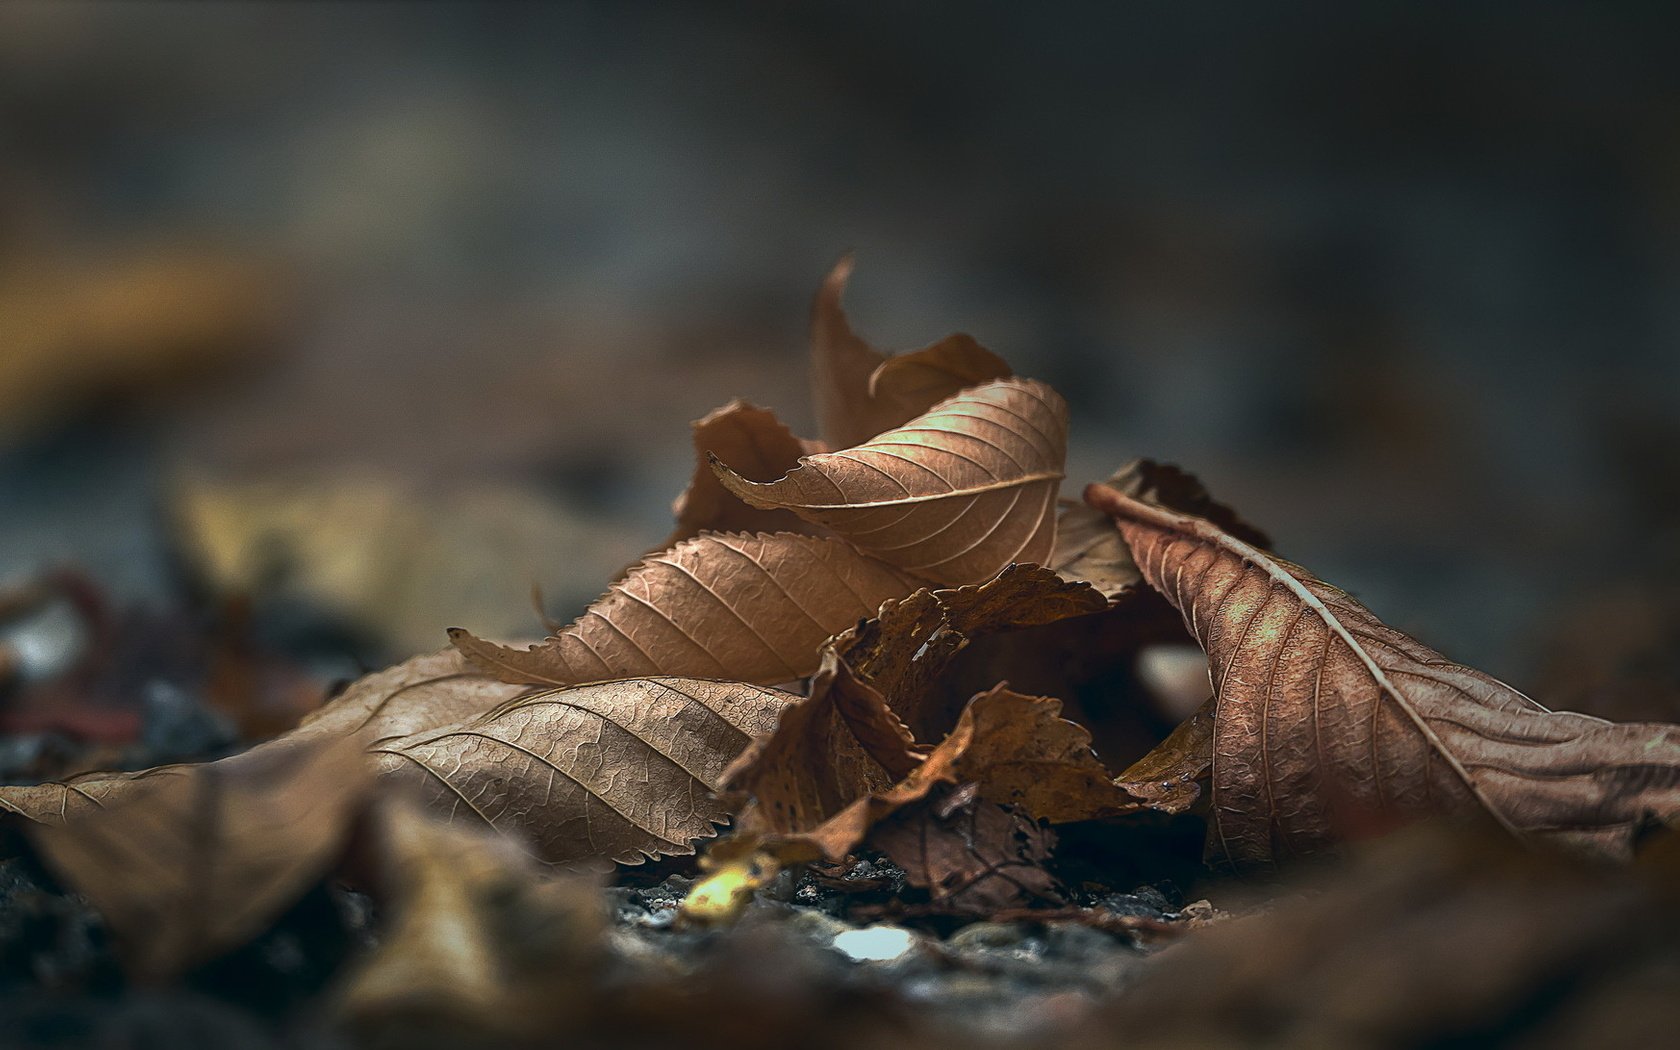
[849,738]
[972,857]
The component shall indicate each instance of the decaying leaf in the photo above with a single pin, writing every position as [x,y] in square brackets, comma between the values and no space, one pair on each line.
[953,496]
[1170,777]
[760,448]
[478,940]
[850,737]
[1323,711]
[752,608]
[972,857]
[1021,752]
[1015,749]
[187,861]
[843,759]
[860,392]
[613,771]
[1090,549]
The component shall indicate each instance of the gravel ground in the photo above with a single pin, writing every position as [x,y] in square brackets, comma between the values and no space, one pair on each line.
[60,984]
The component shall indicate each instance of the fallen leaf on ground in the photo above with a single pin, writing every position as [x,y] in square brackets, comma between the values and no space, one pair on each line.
[754,608]
[549,767]
[1324,712]
[860,392]
[972,857]
[1021,752]
[478,940]
[1015,749]
[1170,777]
[760,448]
[193,860]
[851,737]
[954,495]
[420,693]
[614,771]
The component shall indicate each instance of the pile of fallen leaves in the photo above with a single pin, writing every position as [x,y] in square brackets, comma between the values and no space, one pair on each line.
[898,642]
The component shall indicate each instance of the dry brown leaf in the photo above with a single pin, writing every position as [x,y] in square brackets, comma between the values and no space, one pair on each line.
[1324,713]
[420,693]
[849,738]
[953,496]
[1023,753]
[860,392]
[548,767]
[1016,749]
[753,608]
[972,857]
[478,941]
[187,861]
[842,759]
[615,771]
[1170,777]
[760,448]
[1089,548]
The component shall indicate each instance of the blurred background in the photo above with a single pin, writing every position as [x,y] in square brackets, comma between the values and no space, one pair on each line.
[324,327]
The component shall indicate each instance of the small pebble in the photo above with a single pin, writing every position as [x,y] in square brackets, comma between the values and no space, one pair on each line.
[875,943]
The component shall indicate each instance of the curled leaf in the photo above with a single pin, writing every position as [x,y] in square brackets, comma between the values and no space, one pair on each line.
[1021,752]
[1170,777]
[852,734]
[954,495]
[752,608]
[761,448]
[844,757]
[1325,713]
[860,392]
